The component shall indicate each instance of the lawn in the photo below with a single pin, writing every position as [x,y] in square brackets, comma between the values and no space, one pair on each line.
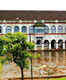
[57,79]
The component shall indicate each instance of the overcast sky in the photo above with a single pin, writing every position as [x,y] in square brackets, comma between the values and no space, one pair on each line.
[32,4]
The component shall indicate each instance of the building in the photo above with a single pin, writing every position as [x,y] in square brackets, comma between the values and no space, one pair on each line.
[47,29]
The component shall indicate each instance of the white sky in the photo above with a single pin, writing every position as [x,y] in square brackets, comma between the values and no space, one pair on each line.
[32,4]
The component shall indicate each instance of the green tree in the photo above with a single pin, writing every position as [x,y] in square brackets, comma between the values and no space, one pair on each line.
[16,48]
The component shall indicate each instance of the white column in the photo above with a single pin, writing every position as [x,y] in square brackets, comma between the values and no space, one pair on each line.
[20,28]
[56,45]
[12,29]
[50,45]
[27,29]
[3,28]
[42,45]
[63,45]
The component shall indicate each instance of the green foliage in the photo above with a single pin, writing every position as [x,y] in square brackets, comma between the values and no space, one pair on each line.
[57,79]
[3,59]
[15,47]
[37,56]
[1,46]
[38,24]
[30,45]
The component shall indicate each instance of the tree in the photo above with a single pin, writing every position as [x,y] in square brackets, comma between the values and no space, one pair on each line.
[16,48]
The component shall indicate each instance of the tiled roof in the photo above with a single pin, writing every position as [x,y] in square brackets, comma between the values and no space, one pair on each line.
[32,15]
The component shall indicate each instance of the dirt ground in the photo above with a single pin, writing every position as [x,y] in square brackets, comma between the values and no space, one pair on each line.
[24,79]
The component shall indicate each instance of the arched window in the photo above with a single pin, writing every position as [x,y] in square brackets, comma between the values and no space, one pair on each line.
[46,29]
[53,29]
[8,29]
[24,29]
[60,29]
[0,29]
[38,42]
[31,29]
[53,44]
[46,44]
[16,29]
[60,43]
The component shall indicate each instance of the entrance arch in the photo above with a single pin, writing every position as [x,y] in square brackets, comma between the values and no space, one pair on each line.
[60,44]
[46,44]
[53,44]
[38,42]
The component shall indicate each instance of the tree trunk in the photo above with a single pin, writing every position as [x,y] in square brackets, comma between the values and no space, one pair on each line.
[22,75]
[31,70]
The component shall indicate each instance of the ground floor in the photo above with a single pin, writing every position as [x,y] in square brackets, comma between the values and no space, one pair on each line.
[47,41]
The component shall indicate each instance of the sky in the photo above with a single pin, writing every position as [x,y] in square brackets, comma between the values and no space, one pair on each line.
[33,5]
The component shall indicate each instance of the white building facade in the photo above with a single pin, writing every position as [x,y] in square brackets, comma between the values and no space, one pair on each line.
[48,36]
[45,33]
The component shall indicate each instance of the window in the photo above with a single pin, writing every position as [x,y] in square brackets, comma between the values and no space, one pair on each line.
[16,29]
[24,29]
[31,29]
[53,29]
[60,43]
[60,29]
[8,29]
[39,30]
[0,29]
[38,42]
[46,44]
[46,29]
[53,44]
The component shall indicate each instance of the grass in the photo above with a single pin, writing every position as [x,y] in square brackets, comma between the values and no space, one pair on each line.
[57,79]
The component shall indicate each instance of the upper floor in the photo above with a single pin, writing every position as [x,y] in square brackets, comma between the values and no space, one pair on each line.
[31,29]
